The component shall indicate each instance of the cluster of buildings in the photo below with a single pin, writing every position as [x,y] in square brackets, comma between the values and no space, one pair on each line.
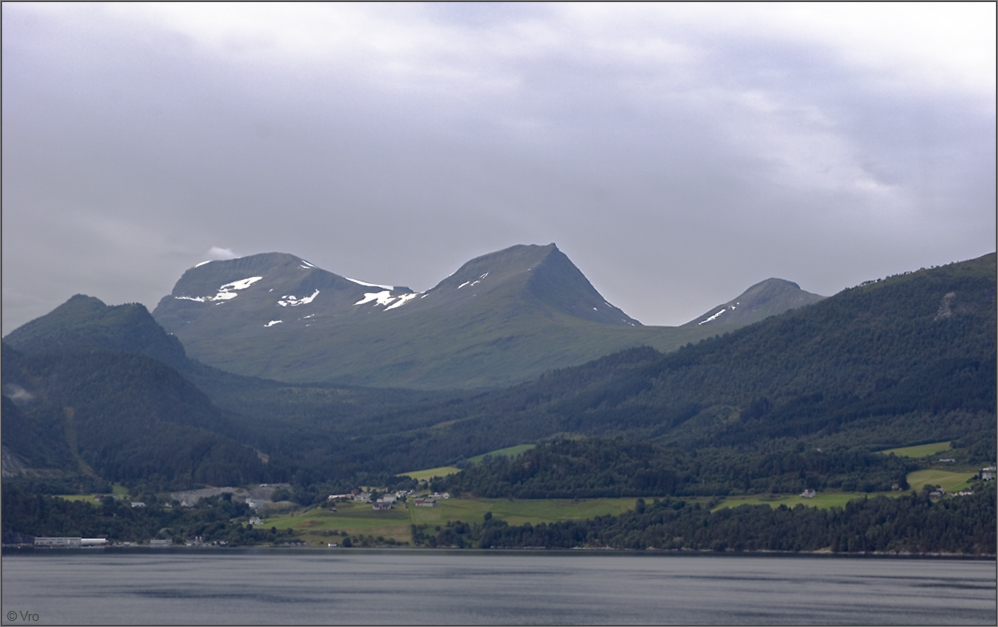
[387,500]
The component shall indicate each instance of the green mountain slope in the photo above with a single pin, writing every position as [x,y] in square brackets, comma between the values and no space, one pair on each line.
[84,323]
[502,318]
[903,361]
[907,360]
[119,417]
[767,298]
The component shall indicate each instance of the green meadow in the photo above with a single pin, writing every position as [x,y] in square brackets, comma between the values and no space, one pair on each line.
[947,480]
[320,525]
[442,471]
[822,500]
[922,450]
[518,512]
[511,451]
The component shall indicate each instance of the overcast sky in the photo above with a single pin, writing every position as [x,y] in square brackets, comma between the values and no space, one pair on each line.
[676,153]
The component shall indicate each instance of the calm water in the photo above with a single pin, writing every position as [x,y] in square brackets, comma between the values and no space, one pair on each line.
[274,586]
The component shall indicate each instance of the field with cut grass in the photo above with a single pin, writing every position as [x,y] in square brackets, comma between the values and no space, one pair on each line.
[443,471]
[518,512]
[511,451]
[822,500]
[320,526]
[420,475]
[86,498]
[947,480]
[922,450]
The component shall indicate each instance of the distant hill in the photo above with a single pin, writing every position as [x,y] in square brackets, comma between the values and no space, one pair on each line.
[116,416]
[500,319]
[84,323]
[767,298]
[902,361]
[88,392]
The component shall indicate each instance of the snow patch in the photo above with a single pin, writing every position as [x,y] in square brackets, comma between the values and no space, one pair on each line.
[272,323]
[224,292]
[382,298]
[204,262]
[307,263]
[403,299]
[475,282]
[712,317]
[294,301]
[384,287]
[240,284]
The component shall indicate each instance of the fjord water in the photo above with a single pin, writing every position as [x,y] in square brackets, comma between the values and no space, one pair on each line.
[274,586]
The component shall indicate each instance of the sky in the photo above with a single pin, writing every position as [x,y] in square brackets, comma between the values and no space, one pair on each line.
[677,153]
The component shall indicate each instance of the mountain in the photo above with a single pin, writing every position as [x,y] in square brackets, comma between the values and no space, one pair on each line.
[500,319]
[768,298]
[84,323]
[902,361]
[116,416]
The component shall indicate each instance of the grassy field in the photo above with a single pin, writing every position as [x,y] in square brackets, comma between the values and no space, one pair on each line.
[443,471]
[922,450]
[518,512]
[87,498]
[320,526]
[947,480]
[511,451]
[823,500]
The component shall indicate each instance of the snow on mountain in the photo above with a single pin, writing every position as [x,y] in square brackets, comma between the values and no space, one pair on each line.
[384,287]
[294,301]
[225,292]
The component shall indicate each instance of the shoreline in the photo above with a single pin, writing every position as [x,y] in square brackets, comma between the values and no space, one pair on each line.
[18,548]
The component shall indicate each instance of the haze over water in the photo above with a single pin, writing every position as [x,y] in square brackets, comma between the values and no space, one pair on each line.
[273,586]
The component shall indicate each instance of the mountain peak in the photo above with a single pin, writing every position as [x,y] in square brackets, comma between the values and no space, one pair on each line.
[536,274]
[85,323]
[764,299]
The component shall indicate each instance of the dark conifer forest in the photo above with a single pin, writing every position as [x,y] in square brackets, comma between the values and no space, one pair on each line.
[805,400]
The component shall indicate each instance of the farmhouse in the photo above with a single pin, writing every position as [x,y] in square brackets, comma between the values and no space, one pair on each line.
[381,505]
[425,502]
[808,494]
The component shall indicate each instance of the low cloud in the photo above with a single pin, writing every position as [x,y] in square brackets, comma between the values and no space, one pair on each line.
[217,254]
[18,394]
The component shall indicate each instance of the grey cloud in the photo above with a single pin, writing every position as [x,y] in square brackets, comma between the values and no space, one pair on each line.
[675,175]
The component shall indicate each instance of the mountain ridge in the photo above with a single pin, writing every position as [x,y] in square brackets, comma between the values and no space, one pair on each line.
[760,301]
[501,318]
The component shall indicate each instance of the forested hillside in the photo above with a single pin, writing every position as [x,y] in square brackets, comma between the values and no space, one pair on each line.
[906,360]
[120,417]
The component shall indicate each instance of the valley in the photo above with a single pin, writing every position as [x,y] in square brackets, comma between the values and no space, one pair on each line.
[580,410]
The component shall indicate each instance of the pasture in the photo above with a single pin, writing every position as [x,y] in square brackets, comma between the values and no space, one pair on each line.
[518,512]
[822,500]
[420,475]
[511,451]
[922,450]
[947,480]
